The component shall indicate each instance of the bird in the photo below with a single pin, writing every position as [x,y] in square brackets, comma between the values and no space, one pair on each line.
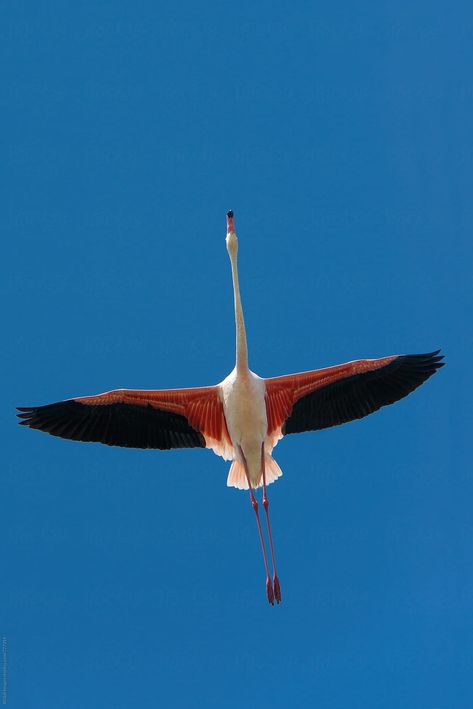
[243,417]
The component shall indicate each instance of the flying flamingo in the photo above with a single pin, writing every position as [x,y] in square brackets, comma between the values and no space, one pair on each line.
[243,417]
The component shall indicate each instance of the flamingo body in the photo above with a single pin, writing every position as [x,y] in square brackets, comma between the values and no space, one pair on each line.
[244,408]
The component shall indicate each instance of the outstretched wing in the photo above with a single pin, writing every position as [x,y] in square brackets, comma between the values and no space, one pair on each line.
[172,418]
[326,397]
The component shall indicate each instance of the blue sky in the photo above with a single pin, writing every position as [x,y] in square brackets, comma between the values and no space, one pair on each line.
[340,134]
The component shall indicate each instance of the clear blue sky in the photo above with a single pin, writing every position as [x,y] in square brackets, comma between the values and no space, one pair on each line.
[340,133]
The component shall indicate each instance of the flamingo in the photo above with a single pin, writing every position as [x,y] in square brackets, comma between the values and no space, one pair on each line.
[242,418]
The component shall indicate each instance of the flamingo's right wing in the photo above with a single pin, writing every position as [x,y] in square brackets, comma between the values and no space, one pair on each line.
[169,418]
[326,397]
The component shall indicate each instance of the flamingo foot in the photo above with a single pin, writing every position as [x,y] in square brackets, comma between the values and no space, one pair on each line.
[269,591]
[277,589]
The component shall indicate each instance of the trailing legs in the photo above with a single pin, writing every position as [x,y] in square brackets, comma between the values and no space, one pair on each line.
[276,585]
[254,503]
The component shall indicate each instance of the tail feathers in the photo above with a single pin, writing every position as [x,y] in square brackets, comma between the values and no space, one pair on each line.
[273,471]
[237,478]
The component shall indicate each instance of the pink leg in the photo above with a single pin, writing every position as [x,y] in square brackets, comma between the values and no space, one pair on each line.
[254,503]
[277,587]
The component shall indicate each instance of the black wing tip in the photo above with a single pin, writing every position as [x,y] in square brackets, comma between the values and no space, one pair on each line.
[427,361]
[26,413]
[120,424]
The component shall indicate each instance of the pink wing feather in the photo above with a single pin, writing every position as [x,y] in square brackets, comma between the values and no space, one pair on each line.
[326,397]
[170,418]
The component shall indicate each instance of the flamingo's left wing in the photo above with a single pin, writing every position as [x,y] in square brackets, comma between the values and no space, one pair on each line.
[170,418]
[326,397]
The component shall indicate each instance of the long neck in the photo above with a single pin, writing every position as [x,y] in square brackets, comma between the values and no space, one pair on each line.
[241,346]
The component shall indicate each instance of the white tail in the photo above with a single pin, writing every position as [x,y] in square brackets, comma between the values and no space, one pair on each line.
[237,478]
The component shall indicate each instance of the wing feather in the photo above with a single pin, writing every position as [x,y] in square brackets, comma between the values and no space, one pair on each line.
[172,418]
[327,397]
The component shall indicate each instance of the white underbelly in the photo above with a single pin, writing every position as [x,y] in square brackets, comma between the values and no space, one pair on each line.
[245,413]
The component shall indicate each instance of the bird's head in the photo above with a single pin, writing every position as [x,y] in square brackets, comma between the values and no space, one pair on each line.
[232,241]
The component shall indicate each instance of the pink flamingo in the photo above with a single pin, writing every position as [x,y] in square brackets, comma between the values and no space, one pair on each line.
[243,417]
